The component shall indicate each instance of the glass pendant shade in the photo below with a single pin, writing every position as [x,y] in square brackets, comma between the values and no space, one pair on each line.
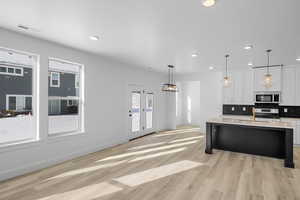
[268,80]
[226,81]
[170,86]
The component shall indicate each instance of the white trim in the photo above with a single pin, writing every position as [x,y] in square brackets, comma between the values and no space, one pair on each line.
[51,79]
[14,70]
[35,100]
[16,95]
[80,98]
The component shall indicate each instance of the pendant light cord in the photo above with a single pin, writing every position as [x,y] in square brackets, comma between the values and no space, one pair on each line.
[268,67]
[226,56]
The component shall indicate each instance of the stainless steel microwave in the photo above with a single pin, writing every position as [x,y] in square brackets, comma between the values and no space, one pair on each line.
[273,97]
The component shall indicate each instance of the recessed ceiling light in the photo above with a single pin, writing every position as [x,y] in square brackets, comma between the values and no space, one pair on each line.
[248,47]
[194,55]
[250,64]
[208,3]
[298,59]
[95,38]
[211,68]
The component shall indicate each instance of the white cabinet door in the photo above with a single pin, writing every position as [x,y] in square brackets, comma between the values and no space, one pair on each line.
[237,78]
[228,92]
[259,74]
[247,87]
[288,93]
[297,93]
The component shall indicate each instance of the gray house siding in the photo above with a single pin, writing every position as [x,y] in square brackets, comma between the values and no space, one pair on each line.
[19,85]
[67,86]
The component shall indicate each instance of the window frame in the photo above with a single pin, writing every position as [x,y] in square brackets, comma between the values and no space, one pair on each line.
[16,95]
[22,143]
[80,98]
[14,70]
[51,79]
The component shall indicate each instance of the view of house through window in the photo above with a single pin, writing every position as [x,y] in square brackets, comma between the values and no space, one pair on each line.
[17,105]
[64,104]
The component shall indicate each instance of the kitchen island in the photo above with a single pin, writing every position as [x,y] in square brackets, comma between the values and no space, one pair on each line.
[265,138]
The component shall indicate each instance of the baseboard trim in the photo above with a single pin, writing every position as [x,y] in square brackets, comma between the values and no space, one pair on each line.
[13,173]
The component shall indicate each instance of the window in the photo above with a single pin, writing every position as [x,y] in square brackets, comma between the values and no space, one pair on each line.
[9,69]
[18,103]
[55,79]
[149,110]
[65,107]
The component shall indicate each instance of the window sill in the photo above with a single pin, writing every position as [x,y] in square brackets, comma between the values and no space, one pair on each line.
[17,145]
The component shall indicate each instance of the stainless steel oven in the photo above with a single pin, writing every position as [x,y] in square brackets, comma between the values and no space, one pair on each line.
[273,97]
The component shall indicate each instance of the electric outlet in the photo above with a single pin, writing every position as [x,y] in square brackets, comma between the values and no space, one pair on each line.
[285,110]
[244,109]
[232,108]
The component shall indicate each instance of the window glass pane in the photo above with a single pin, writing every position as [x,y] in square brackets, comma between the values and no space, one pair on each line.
[17,111]
[18,71]
[11,70]
[136,111]
[3,69]
[64,101]
[12,103]
[149,110]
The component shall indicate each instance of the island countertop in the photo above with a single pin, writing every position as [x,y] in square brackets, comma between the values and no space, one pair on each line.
[247,122]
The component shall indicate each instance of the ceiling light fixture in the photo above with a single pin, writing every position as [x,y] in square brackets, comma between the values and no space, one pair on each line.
[170,86]
[298,59]
[250,64]
[208,3]
[211,68]
[248,47]
[268,76]
[95,38]
[226,77]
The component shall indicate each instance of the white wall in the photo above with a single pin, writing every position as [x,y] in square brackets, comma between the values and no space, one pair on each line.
[188,103]
[105,106]
[210,94]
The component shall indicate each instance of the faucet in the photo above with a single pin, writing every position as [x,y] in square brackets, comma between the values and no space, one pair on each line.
[253,114]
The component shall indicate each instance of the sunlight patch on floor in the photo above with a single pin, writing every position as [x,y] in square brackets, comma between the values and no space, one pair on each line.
[87,193]
[87,170]
[146,146]
[186,139]
[157,173]
[176,132]
[157,154]
[146,151]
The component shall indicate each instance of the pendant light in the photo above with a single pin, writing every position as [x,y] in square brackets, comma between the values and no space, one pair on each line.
[268,76]
[170,86]
[226,77]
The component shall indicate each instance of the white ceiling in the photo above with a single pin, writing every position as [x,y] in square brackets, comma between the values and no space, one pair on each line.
[155,33]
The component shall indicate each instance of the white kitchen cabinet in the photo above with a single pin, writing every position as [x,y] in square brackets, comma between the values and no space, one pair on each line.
[259,74]
[288,92]
[297,92]
[240,90]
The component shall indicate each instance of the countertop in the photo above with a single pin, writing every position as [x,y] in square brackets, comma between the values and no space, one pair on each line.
[249,122]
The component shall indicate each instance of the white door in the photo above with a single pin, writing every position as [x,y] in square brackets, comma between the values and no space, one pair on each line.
[140,111]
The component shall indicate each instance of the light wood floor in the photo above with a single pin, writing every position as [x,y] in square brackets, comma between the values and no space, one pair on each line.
[136,171]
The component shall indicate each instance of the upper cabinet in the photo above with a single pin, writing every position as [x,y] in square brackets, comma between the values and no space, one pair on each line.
[259,75]
[240,90]
[288,92]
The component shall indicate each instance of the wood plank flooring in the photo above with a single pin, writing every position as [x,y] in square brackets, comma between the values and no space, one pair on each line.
[168,165]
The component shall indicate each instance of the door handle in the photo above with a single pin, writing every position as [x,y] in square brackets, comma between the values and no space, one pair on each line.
[130,115]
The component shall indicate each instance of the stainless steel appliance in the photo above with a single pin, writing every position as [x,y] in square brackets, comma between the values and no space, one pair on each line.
[267,110]
[267,97]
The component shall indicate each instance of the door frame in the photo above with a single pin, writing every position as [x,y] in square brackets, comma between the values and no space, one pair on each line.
[143,131]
